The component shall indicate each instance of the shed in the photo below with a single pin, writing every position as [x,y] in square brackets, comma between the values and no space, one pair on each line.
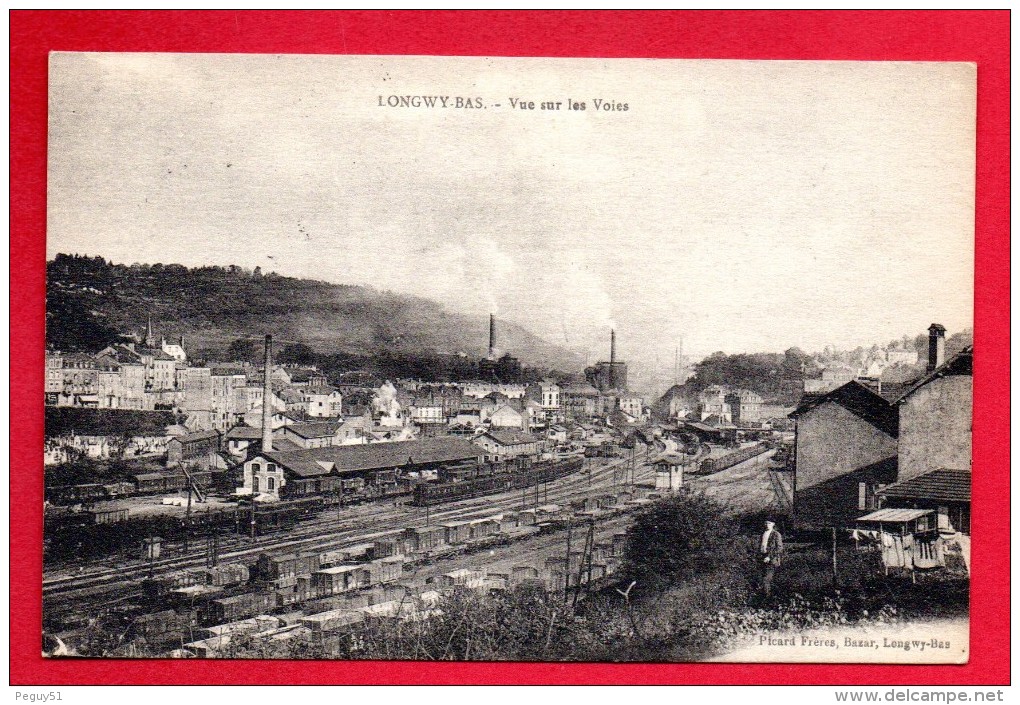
[900,521]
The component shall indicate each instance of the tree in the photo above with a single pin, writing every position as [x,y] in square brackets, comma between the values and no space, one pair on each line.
[243,349]
[676,539]
[296,354]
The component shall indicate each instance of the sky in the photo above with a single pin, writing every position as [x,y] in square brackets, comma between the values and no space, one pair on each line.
[734,206]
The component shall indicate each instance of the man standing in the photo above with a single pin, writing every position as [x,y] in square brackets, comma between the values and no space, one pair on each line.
[772,553]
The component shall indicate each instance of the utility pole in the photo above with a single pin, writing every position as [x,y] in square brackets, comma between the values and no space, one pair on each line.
[585,557]
[187,522]
[566,567]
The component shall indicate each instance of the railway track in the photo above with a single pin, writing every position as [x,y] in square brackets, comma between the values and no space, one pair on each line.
[115,584]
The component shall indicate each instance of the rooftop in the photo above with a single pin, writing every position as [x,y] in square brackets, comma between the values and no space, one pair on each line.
[961,364]
[938,485]
[893,515]
[242,432]
[322,429]
[860,400]
[509,437]
[312,462]
[198,436]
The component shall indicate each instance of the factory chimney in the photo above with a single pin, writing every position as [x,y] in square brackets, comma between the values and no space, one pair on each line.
[492,336]
[936,346]
[612,347]
[267,395]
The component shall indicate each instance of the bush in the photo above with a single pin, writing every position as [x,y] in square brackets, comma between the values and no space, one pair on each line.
[676,539]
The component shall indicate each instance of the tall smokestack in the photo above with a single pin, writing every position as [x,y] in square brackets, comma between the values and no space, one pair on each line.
[612,346]
[492,335]
[936,346]
[267,394]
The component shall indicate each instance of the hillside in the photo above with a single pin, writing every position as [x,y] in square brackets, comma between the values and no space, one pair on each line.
[89,301]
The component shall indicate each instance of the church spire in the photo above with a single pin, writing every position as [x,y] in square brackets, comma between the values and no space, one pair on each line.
[150,339]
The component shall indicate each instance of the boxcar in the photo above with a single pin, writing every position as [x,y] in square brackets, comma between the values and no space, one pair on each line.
[425,538]
[237,607]
[156,626]
[271,567]
[340,579]
[386,570]
[457,532]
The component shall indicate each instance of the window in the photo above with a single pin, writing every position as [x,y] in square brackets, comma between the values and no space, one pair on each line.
[255,467]
[271,485]
[254,484]
[271,467]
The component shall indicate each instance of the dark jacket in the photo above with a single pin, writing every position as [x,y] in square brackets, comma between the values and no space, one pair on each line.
[774,550]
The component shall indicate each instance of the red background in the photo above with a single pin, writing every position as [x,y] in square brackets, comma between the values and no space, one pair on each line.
[981,37]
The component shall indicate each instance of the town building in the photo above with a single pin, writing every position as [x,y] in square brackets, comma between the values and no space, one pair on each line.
[310,435]
[508,444]
[322,401]
[631,404]
[580,402]
[935,420]
[378,465]
[505,416]
[199,450]
[846,451]
[712,402]
[832,377]
[745,406]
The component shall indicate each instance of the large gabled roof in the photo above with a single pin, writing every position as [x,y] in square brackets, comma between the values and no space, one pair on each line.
[961,364]
[242,432]
[510,437]
[374,456]
[322,429]
[858,399]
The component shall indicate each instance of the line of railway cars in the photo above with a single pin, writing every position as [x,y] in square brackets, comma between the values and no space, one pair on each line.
[139,485]
[429,494]
[365,576]
[713,465]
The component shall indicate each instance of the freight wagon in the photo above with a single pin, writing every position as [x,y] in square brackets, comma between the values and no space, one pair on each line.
[74,494]
[168,624]
[388,546]
[429,494]
[457,532]
[386,570]
[333,620]
[340,579]
[237,607]
[425,538]
[270,567]
[713,465]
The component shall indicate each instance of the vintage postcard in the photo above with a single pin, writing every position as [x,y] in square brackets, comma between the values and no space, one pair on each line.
[437,358]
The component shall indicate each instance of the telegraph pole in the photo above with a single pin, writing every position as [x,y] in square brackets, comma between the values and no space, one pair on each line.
[566,567]
[187,522]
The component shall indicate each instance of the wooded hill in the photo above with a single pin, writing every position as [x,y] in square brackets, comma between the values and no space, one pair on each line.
[90,301]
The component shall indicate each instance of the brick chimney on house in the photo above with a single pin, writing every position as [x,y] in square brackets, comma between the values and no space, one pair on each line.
[267,394]
[936,346]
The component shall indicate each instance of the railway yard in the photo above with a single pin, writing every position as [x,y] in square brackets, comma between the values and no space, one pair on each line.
[383,559]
